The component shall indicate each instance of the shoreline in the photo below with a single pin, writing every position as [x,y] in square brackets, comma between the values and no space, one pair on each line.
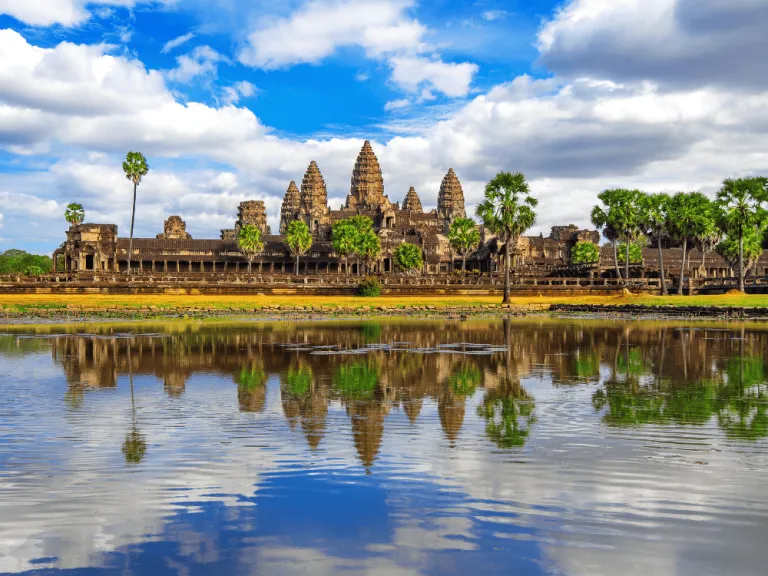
[277,313]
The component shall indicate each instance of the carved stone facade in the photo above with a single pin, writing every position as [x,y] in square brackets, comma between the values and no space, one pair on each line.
[96,247]
[249,213]
[174,229]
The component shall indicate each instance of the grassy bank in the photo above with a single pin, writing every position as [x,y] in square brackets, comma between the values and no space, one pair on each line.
[21,303]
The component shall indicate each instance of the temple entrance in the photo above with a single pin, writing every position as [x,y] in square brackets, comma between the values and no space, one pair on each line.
[89,262]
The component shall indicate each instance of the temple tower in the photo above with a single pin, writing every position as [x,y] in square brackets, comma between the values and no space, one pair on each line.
[367,189]
[253,213]
[174,229]
[412,201]
[289,211]
[314,198]
[450,200]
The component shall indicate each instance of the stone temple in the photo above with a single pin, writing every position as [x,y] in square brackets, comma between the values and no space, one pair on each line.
[97,247]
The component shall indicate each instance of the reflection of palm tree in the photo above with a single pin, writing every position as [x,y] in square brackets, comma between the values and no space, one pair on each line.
[251,389]
[742,404]
[134,446]
[508,412]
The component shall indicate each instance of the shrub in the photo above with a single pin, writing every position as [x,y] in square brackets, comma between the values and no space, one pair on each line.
[635,253]
[369,287]
[33,271]
[585,253]
[408,257]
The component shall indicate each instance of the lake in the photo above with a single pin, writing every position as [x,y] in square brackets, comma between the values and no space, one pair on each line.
[524,446]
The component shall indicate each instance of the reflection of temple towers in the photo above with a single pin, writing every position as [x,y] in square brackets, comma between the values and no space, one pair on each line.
[367,419]
[88,362]
[450,408]
[174,383]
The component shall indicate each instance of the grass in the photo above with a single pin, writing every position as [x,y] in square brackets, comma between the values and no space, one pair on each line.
[28,302]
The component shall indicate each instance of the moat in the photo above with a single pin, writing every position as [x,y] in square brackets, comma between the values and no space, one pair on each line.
[515,446]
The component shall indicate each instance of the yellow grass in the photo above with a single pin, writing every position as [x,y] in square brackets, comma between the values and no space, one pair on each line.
[170,302]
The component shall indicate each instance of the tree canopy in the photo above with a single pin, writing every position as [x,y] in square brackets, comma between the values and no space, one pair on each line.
[135,167]
[249,241]
[21,262]
[74,214]
[408,257]
[585,253]
[298,238]
[464,238]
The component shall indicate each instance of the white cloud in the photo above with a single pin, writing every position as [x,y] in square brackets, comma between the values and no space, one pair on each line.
[319,27]
[381,27]
[674,42]
[203,61]
[397,104]
[233,94]
[451,79]
[492,15]
[63,12]
[1,220]
[176,42]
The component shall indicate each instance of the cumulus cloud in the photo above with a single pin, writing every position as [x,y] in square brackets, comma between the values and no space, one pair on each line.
[233,94]
[63,12]
[381,27]
[176,42]
[451,79]
[682,43]
[1,220]
[203,61]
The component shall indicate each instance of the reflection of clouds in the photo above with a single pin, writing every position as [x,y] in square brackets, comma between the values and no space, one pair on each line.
[588,498]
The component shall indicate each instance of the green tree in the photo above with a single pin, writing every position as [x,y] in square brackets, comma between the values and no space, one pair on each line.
[507,211]
[739,207]
[249,242]
[690,215]
[343,240]
[20,262]
[653,221]
[298,239]
[600,218]
[368,248]
[408,258]
[621,211]
[464,238]
[74,214]
[135,168]
[585,253]
[635,253]
[33,271]
[747,251]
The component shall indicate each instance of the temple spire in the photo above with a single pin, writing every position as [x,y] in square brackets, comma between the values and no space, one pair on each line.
[367,189]
[412,201]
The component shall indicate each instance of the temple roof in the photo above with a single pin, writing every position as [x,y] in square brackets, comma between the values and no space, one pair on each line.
[313,191]
[412,201]
[367,182]
[450,200]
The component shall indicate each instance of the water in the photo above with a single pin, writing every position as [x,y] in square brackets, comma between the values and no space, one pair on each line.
[401,447]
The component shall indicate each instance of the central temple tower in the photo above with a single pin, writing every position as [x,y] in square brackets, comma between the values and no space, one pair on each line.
[367,189]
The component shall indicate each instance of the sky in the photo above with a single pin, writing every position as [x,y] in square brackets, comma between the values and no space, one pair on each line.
[231,99]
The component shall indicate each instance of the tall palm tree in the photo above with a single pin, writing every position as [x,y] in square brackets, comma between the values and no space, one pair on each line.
[134,446]
[249,242]
[739,204]
[74,214]
[654,221]
[690,216]
[298,239]
[464,238]
[135,168]
[507,211]
[622,212]
[600,220]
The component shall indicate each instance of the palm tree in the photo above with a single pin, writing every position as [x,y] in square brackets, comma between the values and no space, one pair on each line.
[298,239]
[600,220]
[739,208]
[343,240]
[507,211]
[464,238]
[654,219]
[689,217]
[74,214]
[135,168]
[249,242]
[622,213]
[134,446]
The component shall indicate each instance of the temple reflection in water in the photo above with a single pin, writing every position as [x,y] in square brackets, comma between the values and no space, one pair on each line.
[641,374]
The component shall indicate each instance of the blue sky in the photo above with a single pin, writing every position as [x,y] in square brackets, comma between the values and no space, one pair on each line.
[231,99]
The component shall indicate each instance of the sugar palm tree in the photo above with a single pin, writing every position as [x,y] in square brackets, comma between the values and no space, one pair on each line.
[464,238]
[601,220]
[507,211]
[135,168]
[739,206]
[689,216]
[250,243]
[622,214]
[74,214]
[298,239]
[654,220]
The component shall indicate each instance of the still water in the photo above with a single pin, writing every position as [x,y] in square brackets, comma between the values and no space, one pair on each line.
[401,447]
